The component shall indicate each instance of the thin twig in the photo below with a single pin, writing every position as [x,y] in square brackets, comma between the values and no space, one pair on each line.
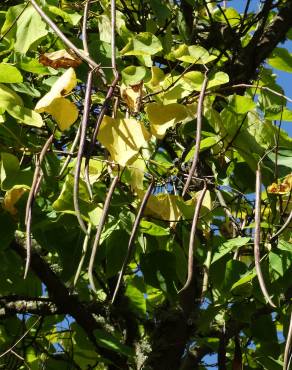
[36,182]
[198,134]
[288,346]
[257,237]
[83,124]
[67,42]
[192,238]
[84,250]
[286,224]
[99,230]
[21,338]
[132,237]
[261,88]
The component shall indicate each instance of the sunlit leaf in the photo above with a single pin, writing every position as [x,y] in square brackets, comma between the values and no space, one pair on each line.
[281,59]
[229,246]
[11,198]
[133,75]
[9,74]
[132,95]
[123,138]
[196,54]
[162,117]
[163,206]
[64,111]
[70,17]
[29,27]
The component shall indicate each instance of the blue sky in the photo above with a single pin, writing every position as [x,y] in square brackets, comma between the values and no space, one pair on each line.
[284,79]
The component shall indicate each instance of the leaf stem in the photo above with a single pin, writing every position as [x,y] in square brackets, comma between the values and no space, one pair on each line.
[36,182]
[99,230]
[192,238]
[198,134]
[83,125]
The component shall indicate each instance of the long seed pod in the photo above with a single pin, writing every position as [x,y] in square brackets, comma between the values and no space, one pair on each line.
[132,237]
[36,183]
[287,351]
[84,251]
[108,97]
[99,231]
[257,237]
[192,238]
[81,150]
[198,134]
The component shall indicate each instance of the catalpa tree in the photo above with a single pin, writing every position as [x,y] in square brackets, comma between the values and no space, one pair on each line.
[145,218]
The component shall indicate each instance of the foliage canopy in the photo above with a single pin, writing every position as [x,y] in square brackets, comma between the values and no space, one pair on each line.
[145,218]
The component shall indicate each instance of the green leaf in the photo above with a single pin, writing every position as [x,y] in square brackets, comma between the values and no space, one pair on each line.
[196,54]
[135,291]
[64,203]
[151,228]
[244,280]
[162,117]
[72,17]
[32,65]
[131,75]
[229,246]
[108,341]
[219,78]
[29,29]
[8,97]
[104,27]
[9,74]
[7,229]
[160,10]
[281,59]
[25,115]
[11,174]
[116,249]
[283,114]
[280,261]
[26,88]
[241,104]
[144,45]
[233,272]
[285,246]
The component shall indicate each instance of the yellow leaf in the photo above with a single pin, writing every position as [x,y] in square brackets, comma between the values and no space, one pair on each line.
[123,138]
[64,111]
[162,206]
[162,117]
[132,95]
[282,188]
[135,173]
[11,197]
[157,76]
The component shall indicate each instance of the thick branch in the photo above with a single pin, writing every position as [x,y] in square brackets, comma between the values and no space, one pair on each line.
[254,54]
[63,300]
